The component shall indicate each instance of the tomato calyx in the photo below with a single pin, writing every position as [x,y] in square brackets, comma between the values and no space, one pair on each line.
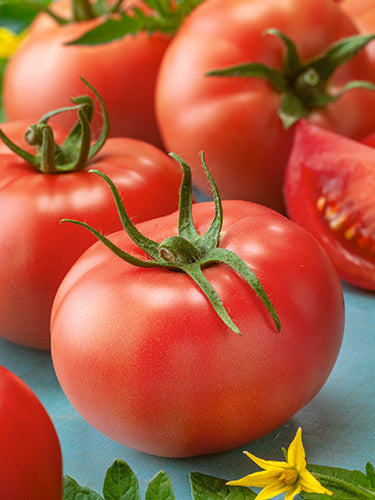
[188,251]
[161,16]
[76,150]
[303,86]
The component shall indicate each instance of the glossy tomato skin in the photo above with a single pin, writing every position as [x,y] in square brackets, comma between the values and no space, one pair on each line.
[143,357]
[30,459]
[234,120]
[329,190]
[123,72]
[36,250]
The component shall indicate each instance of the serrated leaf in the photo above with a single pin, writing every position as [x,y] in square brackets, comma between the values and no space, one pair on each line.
[121,483]
[370,474]
[160,488]
[344,484]
[73,491]
[212,488]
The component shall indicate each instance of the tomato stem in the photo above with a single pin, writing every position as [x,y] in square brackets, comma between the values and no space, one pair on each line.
[303,86]
[188,251]
[76,150]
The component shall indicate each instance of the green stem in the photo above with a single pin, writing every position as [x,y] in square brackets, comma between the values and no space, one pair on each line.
[188,251]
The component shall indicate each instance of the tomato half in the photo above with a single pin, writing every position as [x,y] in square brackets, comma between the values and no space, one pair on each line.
[123,72]
[30,458]
[36,250]
[329,190]
[234,120]
[142,355]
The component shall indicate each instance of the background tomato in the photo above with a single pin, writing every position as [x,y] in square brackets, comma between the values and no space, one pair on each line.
[363,15]
[30,459]
[234,120]
[122,71]
[144,358]
[36,251]
[329,190]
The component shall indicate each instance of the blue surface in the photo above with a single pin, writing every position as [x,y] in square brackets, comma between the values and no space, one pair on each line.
[338,425]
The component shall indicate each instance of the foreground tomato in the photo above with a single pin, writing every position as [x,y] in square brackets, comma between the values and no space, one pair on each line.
[123,71]
[329,190]
[36,250]
[235,119]
[30,459]
[147,354]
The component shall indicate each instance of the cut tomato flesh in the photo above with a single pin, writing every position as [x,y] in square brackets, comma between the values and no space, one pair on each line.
[330,190]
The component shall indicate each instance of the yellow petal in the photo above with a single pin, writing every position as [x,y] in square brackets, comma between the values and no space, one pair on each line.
[268,464]
[260,479]
[310,484]
[296,452]
[292,491]
[271,491]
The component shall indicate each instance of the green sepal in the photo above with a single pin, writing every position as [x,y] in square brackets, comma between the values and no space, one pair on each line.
[120,482]
[76,150]
[188,251]
[303,86]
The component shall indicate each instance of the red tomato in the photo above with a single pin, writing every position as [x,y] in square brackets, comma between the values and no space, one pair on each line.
[329,190]
[234,120]
[123,72]
[363,15]
[36,251]
[30,459]
[144,358]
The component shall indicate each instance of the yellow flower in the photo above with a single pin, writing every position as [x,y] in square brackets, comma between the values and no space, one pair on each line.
[9,42]
[290,477]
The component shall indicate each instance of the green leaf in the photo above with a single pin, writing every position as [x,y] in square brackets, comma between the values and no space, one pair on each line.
[121,483]
[73,491]
[212,488]
[17,15]
[160,488]
[344,484]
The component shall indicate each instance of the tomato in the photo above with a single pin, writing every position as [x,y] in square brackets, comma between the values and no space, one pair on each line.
[36,251]
[30,459]
[363,15]
[329,190]
[235,119]
[123,72]
[144,357]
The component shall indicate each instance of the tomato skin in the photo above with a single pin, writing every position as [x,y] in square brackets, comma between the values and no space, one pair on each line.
[36,250]
[123,72]
[153,366]
[234,120]
[329,188]
[363,15]
[30,459]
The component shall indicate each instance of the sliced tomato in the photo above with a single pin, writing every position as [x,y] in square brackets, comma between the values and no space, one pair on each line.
[330,190]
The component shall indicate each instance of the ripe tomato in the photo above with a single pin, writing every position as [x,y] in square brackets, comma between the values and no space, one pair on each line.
[363,15]
[122,71]
[329,190]
[36,251]
[30,459]
[235,119]
[142,355]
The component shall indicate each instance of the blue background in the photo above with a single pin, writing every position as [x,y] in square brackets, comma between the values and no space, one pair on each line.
[338,424]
